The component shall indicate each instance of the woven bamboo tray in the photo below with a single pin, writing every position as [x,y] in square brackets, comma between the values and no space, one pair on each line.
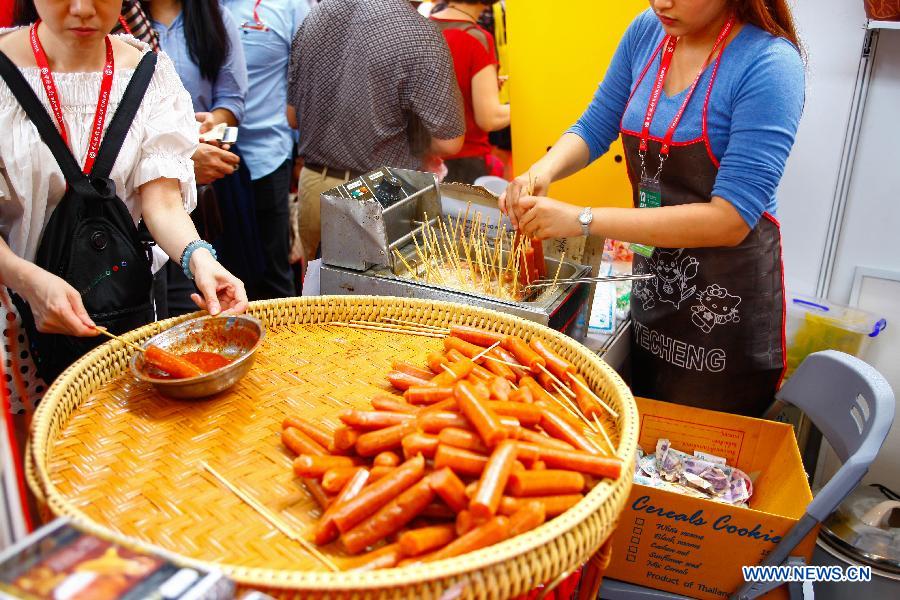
[107,451]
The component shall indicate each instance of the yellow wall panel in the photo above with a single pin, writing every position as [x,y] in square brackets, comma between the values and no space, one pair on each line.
[558,53]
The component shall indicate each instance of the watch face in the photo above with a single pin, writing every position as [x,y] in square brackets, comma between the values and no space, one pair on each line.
[585,217]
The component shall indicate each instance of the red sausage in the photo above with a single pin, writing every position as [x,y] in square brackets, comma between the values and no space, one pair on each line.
[386,459]
[483,418]
[317,432]
[425,539]
[538,393]
[488,534]
[299,443]
[556,364]
[326,530]
[523,353]
[390,518]
[549,482]
[553,505]
[451,490]
[334,479]
[585,402]
[373,442]
[575,460]
[419,443]
[439,510]
[344,439]
[405,367]
[527,414]
[507,356]
[500,389]
[461,462]
[477,370]
[465,348]
[435,421]
[435,360]
[383,558]
[554,424]
[493,480]
[390,403]
[379,493]
[456,370]
[310,465]
[404,381]
[462,438]
[428,394]
[373,419]
[523,394]
[473,335]
[174,365]
[526,435]
[316,491]
[527,517]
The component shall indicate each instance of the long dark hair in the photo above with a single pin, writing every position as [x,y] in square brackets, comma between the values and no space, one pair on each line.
[24,12]
[207,41]
[773,16]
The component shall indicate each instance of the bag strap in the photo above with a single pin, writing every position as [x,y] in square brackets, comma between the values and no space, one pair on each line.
[121,121]
[41,120]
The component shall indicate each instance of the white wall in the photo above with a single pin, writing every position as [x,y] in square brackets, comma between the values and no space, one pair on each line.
[832,33]
[871,225]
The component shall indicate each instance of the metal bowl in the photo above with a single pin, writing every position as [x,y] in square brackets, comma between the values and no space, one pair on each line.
[234,337]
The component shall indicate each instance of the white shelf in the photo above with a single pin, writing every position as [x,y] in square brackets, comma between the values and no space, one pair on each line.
[870,24]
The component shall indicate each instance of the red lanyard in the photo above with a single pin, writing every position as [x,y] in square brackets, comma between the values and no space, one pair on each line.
[40,57]
[124,25]
[664,64]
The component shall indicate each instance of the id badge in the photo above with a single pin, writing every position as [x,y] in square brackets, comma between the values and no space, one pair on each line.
[649,196]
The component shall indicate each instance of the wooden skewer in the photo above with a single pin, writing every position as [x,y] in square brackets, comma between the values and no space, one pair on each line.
[565,388]
[574,409]
[414,328]
[485,351]
[406,264]
[596,398]
[604,434]
[272,518]
[105,332]
[507,363]
[388,329]
[579,417]
[562,257]
[436,328]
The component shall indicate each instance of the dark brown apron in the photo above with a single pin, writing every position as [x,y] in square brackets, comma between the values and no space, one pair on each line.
[709,329]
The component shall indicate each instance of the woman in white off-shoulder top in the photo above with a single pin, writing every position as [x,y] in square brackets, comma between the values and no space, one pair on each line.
[153,174]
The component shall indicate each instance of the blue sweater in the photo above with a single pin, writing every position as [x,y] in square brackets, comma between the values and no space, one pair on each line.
[754,109]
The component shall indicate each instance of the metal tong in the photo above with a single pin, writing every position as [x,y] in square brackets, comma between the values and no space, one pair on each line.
[602,279]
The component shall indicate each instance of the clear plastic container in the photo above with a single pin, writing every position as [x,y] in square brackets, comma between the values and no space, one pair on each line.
[814,324]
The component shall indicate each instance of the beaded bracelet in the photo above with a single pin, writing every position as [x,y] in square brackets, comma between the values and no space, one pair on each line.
[189,250]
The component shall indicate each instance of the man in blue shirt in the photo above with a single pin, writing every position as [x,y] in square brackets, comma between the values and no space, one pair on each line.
[265,138]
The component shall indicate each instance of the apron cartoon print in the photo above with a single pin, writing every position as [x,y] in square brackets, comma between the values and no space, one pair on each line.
[708,330]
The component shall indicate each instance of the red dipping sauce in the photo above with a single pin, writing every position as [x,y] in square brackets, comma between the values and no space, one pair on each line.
[205,361]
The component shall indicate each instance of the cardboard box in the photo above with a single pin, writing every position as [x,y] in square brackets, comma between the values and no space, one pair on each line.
[696,547]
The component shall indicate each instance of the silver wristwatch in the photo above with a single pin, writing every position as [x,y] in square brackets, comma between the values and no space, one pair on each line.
[586,217]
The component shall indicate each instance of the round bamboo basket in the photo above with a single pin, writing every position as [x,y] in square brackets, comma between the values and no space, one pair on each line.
[125,463]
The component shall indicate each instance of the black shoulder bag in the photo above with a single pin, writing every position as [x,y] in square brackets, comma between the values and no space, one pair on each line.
[90,240]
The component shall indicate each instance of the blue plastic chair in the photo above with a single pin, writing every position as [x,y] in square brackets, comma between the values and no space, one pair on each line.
[853,406]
